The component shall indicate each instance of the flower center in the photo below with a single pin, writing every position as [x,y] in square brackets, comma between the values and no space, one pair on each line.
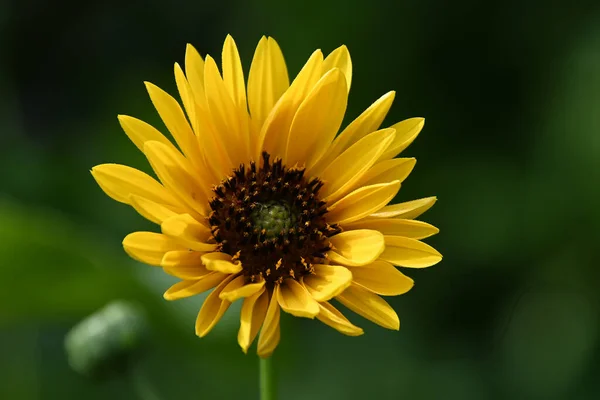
[274,217]
[272,221]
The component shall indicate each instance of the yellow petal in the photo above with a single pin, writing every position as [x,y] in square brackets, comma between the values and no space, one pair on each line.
[327,281]
[330,316]
[172,115]
[252,316]
[318,119]
[383,278]
[215,164]
[184,264]
[189,232]
[151,210]
[140,132]
[233,75]
[295,299]
[387,171]
[353,163]
[224,114]
[221,262]
[268,79]
[194,70]
[340,58]
[406,132]
[369,121]
[187,98]
[275,129]
[279,72]
[357,247]
[178,175]
[362,202]
[121,181]
[370,306]
[212,310]
[239,288]
[407,210]
[410,253]
[189,288]
[217,161]
[270,333]
[395,226]
[149,247]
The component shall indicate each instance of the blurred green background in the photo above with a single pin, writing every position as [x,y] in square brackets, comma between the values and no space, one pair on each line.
[511,147]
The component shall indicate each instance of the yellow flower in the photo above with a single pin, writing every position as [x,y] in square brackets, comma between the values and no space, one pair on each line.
[259,199]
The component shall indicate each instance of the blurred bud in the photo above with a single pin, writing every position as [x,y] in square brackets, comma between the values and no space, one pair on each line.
[106,342]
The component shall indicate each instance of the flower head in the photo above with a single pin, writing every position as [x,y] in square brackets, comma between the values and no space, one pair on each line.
[260,201]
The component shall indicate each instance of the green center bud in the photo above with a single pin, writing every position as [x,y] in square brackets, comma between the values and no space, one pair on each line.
[106,341]
[273,217]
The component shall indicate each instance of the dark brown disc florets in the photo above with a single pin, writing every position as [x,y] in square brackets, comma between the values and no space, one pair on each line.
[271,219]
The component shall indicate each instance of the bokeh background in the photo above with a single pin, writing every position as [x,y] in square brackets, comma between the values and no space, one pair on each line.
[511,147]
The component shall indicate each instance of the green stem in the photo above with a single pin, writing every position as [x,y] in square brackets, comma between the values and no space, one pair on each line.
[267,380]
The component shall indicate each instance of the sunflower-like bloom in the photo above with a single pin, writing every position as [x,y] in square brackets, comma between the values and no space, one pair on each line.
[260,201]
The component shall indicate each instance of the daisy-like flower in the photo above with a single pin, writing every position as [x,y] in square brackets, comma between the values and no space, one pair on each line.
[260,201]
